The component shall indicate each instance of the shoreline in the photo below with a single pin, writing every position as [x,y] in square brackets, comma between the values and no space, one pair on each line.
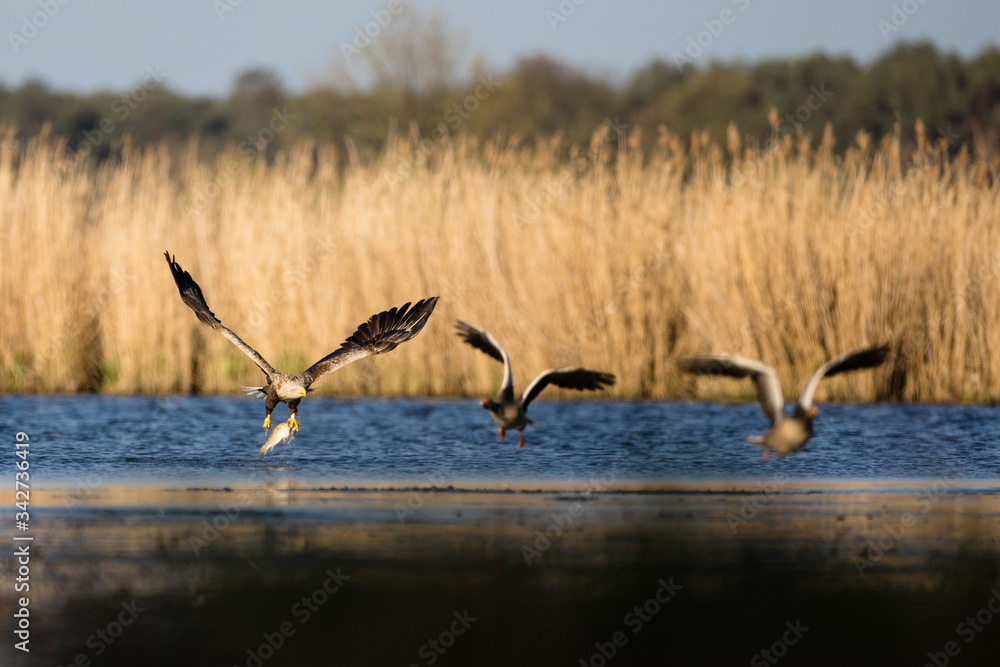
[545,573]
[305,493]
[557,396]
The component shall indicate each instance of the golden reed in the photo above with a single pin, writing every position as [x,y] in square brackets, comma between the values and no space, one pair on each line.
[601,256]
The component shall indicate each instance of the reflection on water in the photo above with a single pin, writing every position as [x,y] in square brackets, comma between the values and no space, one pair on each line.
[686,576]
[211,439]
[401,532]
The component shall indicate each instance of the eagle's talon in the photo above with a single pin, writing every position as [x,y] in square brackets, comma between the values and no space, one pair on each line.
[381,333]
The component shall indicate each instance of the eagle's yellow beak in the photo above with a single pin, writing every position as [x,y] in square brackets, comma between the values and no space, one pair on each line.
[301,391]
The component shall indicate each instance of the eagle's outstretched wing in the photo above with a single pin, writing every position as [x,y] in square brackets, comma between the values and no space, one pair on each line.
[195,300]
[381,333]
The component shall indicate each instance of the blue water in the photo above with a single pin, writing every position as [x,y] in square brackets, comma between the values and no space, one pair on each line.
[107,440]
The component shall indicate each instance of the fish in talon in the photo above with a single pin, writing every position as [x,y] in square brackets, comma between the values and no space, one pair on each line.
[382,333]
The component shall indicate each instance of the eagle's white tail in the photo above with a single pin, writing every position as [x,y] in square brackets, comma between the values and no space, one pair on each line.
[256,392]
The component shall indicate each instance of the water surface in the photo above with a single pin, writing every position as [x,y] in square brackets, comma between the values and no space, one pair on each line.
[213,440]
[878,539]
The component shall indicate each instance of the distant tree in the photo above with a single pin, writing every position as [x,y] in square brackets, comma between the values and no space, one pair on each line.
[708,99]
[542,95]
[408,73]
[913,81]
[650,82]
[257,97]
[259,88]
[982,103]
[824,85]
[33,105]
[420,55]
[417,70]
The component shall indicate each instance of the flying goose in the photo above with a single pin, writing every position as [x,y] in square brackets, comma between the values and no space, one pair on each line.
[507,411]
[381,333]
[787,434]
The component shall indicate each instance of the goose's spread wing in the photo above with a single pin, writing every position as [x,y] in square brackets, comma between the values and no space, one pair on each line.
[195,300]
[381,333]
[567,378]
[765,379]
[853,361]
[485,342]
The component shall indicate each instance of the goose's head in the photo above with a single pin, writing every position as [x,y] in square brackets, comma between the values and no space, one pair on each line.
[807,414]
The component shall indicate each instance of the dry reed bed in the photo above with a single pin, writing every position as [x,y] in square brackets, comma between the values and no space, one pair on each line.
[601,257]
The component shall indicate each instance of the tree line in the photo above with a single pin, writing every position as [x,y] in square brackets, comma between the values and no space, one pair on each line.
[958,100]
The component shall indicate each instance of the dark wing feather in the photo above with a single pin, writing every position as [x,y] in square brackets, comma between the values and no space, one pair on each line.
[484,341]
[381,333]
[480,340]
[852,361]
[765,379]
[567,378]
[856,361]
[195,300]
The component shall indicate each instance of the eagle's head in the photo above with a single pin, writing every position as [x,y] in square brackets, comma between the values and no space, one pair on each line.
[292,391]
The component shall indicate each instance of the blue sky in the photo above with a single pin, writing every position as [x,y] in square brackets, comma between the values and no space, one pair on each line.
[85,45]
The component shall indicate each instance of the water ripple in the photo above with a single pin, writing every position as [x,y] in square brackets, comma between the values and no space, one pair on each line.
[118,440]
